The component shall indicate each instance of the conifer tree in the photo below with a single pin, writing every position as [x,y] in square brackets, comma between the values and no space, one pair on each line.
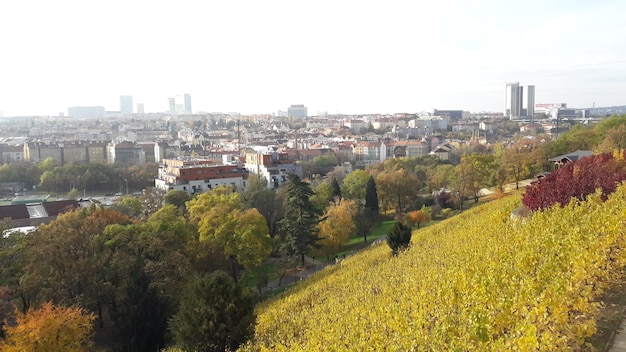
[336,189]
[399,237]
[299,233]
[371,195]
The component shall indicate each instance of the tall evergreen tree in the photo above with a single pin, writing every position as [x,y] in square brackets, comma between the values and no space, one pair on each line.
[298,224]
[336,189]
[371,195]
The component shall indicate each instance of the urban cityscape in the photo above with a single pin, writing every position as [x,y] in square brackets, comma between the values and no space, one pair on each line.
[312,176]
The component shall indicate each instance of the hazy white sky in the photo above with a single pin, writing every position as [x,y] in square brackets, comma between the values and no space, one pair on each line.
[254,56]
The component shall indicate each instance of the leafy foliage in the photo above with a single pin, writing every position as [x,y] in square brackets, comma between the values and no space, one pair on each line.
[417,217]
[338,225]
[50,328]
[214,315]
[576,180]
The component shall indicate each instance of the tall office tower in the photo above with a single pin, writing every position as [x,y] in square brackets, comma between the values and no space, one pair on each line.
[528,102]
[140,108]
[126,105]
[187,104]
[172,102]
[513,100]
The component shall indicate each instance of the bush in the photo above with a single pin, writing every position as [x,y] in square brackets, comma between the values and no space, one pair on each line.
[399,237]
[445,213]
[576,180]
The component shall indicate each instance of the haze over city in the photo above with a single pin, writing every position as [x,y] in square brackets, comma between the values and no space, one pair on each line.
[347,56]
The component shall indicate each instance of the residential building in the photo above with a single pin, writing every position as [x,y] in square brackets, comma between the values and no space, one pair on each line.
[370,151]
[66,152]
[273,166]
[126,105]
[411,149]
[127,153]
[194,175]
[11,153]
[140,108]
[449,114]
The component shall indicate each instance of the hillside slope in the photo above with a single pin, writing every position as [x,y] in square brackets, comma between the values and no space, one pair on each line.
[478,281]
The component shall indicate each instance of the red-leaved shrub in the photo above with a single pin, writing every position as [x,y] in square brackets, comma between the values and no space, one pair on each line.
[576,180]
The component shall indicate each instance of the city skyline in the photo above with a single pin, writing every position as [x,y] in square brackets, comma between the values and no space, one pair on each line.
[352,57]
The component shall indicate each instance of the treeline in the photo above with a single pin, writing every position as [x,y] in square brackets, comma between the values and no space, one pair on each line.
[46,176]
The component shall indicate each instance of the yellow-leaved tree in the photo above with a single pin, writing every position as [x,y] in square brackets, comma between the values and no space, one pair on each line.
[417,217]
[50,328]
[338,225]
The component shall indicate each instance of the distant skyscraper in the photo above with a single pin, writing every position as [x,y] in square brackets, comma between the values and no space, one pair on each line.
[140,108]
[297,111]
[513,100]
[172,102]
[126,105]
[528,102]
[187,104]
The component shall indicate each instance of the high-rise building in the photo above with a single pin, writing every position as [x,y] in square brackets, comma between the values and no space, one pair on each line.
[172,107]
[140,108]
[513,100]
[187,104]
[516,103]
[528,102]
[297,111]
[126,105]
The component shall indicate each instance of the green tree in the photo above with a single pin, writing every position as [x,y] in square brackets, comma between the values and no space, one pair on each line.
[298,226]
[215,314]
[354,185]
[177,198]
[399,237]
[129,206]
[371,195]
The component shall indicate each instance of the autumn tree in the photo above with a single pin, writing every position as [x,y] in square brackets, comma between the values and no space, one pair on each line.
[399,237]
[299,231]
[50,328]
[338,225]
[417,217]
[215,314]
[472,174]
[222,221]
[396,188]
[576,180]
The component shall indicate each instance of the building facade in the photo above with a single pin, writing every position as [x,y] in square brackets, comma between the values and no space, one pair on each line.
[297,111]
[199,175]
[274,167]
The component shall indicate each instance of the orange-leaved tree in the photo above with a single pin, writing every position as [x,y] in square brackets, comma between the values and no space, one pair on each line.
[417,217]
[50,328]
